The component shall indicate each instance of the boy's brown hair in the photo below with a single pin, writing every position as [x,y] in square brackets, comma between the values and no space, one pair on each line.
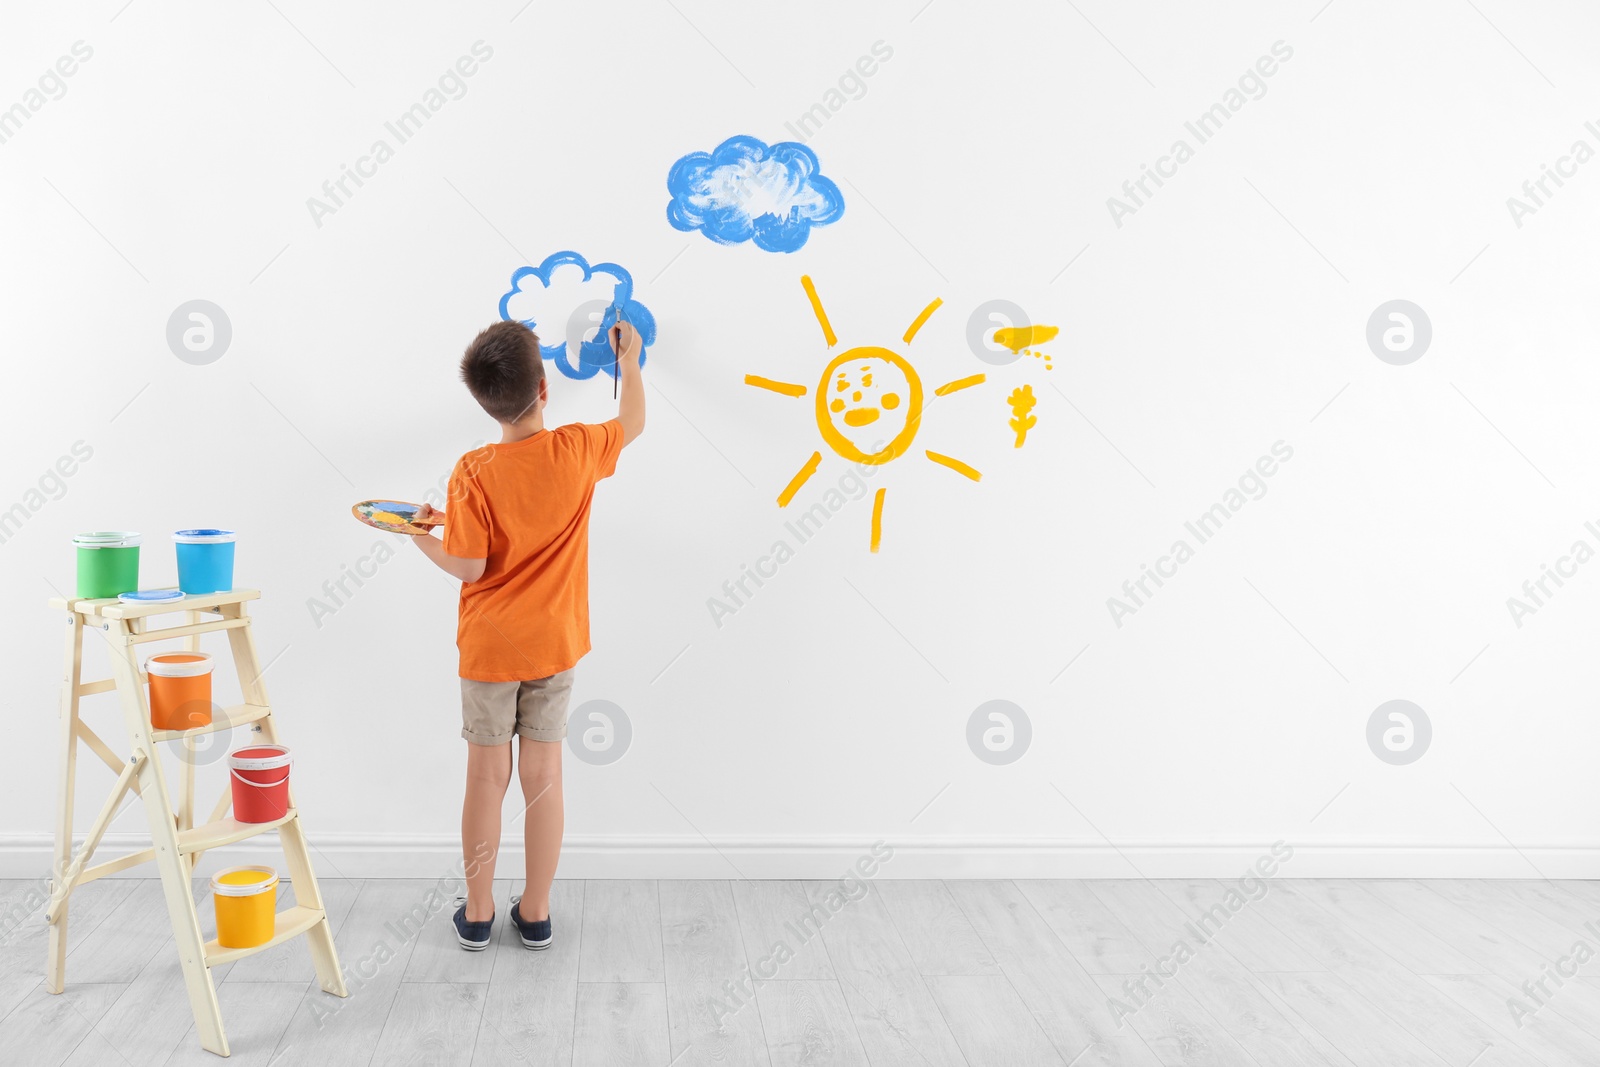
[502,369]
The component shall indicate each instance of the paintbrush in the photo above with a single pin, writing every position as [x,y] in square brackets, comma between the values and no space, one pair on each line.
[616,353]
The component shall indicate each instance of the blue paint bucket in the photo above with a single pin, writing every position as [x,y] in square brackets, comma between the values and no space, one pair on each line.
[205,561]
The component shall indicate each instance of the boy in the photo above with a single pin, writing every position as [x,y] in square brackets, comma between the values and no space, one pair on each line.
[517,536]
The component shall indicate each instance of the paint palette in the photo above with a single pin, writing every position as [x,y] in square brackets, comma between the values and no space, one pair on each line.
[396,516]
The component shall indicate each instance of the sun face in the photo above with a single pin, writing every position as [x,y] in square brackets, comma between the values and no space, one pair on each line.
[868,406]
[865,402]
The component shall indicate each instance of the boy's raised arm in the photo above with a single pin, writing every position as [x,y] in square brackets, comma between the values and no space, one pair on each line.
[625,341]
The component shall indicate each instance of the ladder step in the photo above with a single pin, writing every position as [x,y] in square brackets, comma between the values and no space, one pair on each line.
[237,715]
[167,633]
[212,835]
[112,608]
[291,922]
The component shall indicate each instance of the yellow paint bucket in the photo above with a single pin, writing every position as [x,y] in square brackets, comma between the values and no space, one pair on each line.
[246,899]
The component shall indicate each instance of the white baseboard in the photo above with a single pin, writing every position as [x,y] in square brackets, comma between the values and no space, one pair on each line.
[432,856]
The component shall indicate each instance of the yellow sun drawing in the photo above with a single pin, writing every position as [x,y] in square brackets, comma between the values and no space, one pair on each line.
[868,406]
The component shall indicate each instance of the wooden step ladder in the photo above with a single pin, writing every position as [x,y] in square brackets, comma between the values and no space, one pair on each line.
[176,840]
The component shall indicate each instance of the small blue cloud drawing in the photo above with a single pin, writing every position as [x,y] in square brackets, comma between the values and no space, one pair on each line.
[747,190]
[593,356]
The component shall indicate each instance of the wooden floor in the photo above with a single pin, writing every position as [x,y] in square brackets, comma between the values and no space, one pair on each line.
[647,974]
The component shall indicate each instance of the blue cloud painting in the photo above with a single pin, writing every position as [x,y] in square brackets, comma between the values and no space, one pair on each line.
[531,301]
[747,190]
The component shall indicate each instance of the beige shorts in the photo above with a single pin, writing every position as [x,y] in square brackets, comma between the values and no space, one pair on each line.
[492,712]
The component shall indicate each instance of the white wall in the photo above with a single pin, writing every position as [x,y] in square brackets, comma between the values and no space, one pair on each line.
[1228,313]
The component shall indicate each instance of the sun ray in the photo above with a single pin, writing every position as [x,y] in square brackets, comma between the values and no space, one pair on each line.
[960,383]
[816,307]
[954,464]
[911,331]
[799,479]
[786,388]
[877,517]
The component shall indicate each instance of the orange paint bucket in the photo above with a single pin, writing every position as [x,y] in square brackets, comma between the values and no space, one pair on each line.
[246,899]
[180,690]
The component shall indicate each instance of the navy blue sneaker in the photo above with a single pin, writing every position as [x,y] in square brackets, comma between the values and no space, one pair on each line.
[534,935]
[474,937]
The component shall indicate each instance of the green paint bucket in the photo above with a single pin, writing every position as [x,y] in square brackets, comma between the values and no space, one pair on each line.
[108,563]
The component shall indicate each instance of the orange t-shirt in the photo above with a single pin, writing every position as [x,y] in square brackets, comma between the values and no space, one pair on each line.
[524,507]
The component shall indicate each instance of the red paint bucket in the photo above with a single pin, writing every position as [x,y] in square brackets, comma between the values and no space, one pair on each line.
[260,779]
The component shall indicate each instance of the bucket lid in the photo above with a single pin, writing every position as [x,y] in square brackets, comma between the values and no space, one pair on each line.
[259,758]
[151,596]
[203,537]
[179,664]
[107,539]
[243,881]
